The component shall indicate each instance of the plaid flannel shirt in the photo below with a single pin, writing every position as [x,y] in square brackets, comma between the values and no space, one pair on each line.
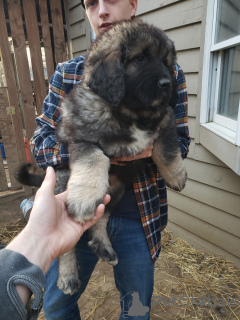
[149,186]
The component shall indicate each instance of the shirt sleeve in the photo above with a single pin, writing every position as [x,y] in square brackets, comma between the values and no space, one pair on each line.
[181,112]
[44,144]
[16,269]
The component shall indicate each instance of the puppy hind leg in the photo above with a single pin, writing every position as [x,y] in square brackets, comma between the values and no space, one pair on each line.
[68,280]
[100,242]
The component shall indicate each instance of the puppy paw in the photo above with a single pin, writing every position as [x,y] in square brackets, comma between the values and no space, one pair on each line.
[104,251]
[82,208]
[69,285]
[174,173]
[68,279]
[177,182]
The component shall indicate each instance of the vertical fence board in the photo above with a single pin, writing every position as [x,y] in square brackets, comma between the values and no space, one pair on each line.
[18,36]
[58,32]
[19,92]
[35,50]
[46,37]
[12,87]
[8,138]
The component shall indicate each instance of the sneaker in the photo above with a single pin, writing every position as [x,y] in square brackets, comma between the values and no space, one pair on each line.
[26,207]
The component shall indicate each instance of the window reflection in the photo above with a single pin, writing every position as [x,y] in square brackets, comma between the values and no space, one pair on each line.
[228,24]
[230,84]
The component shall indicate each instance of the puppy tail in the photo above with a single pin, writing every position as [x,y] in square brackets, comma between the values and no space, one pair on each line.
[23,176]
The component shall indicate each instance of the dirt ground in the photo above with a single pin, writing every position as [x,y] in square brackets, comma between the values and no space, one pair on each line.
[10,208]
[189,283]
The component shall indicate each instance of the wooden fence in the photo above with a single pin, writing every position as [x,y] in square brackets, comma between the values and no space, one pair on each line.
[32,42]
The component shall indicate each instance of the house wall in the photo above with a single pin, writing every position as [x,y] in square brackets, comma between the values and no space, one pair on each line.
[78,28]
[207,212]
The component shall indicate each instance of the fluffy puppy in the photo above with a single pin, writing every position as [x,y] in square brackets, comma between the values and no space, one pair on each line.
[124,102]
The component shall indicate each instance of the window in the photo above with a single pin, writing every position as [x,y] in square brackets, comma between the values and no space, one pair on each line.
[220,101]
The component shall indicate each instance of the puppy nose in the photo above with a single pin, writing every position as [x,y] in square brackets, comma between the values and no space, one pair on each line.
[164,83]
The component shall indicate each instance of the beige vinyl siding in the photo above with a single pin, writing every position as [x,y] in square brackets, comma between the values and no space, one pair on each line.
[207,212]
[78,28]
[200,243]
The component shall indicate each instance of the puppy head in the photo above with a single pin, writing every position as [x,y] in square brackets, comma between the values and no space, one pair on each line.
[131,63]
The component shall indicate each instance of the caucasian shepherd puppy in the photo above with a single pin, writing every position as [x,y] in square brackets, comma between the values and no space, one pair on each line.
[124,102]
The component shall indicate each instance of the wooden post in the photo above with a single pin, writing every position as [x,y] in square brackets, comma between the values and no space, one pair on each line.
[58,32]
[29,8]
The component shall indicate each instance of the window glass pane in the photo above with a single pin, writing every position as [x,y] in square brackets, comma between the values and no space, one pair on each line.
[230,84]
[228,20]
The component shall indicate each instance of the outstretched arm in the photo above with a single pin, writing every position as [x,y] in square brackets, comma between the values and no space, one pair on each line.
[50,231]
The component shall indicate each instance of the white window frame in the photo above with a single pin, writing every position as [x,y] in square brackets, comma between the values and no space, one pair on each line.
[218,134]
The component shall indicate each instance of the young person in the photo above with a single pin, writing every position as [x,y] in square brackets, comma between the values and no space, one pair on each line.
[137,221]
[50,232]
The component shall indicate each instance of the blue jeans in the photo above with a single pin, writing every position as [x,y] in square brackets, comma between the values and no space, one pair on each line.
[134,274]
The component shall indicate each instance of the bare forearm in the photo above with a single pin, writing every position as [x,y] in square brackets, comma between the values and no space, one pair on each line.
[33,248]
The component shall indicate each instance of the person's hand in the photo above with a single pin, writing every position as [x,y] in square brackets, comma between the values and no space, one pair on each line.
[146,153]
[49,218]
[50,231]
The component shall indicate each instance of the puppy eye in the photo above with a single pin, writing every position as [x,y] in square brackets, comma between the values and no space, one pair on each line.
[140,59]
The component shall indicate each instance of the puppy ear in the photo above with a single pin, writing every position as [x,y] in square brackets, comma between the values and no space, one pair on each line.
[171,56]
[107,77]
[166,46]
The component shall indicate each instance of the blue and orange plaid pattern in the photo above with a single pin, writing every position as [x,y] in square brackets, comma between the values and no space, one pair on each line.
[149,187]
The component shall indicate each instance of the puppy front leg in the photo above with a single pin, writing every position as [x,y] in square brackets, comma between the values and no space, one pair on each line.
[167,154]
[87,185]
[88,182]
